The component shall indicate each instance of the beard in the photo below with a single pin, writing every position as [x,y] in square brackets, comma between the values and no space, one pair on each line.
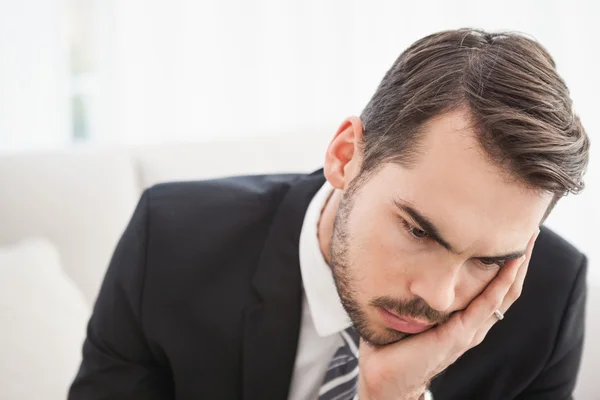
[346,283]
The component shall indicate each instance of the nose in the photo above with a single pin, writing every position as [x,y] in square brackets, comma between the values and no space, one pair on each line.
[437,286]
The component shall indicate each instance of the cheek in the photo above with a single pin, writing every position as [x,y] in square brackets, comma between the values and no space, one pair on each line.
[384,260]
[380,257]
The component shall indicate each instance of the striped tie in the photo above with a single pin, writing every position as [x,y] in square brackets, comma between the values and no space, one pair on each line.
[342,373]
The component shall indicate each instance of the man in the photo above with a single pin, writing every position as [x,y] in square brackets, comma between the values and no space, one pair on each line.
[417,236]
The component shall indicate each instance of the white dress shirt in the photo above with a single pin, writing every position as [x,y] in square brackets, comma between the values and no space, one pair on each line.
[323,316]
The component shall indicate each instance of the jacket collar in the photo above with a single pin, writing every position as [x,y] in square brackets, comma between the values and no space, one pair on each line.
[272,326]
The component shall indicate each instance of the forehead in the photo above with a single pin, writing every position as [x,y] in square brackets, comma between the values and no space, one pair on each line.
[470,200]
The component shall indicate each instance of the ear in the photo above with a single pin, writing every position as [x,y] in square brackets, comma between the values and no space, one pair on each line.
[343,156]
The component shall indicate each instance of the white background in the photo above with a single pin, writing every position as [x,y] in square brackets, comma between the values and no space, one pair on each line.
[189,70]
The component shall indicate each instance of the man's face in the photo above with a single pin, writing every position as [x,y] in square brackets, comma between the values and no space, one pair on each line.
[422,243]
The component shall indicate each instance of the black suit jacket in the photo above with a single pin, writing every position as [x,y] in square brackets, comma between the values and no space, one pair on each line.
[202,300]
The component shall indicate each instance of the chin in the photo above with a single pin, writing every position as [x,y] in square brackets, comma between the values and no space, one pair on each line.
[378,336]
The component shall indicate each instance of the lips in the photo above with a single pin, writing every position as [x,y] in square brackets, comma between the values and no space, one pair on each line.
[402,324]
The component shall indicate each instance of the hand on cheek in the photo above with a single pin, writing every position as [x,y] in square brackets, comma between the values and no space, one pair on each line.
[404,369]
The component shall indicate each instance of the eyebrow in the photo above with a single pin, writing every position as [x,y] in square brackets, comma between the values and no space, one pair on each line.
[433,232]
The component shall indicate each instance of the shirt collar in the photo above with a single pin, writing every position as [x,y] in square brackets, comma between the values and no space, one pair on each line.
[325,306]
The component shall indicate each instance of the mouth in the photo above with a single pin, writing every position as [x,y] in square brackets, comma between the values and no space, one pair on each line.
[403,324]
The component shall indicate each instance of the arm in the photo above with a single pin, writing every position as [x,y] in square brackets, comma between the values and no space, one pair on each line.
[118,363]
[557,380]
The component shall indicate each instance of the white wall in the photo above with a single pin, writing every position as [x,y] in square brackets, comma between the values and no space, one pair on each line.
[189,70]
[34,76]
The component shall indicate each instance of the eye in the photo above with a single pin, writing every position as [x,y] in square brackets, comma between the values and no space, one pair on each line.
[491,264]
[418,233]
[415,232]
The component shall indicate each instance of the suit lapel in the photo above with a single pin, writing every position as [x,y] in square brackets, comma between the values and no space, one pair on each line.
[272,326]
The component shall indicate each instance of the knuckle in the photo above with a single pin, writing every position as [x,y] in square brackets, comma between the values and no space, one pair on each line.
[478,339]
[497,304]
[513,295]
[516,292]
[462,343]
[494,299]
[457,354]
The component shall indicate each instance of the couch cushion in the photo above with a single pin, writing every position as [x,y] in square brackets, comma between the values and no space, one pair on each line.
[43,316]
[80,200]
[193,161]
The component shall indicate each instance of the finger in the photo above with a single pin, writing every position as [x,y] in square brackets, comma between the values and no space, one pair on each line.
[492,298]
[513,294]
[468,324]
[517,287]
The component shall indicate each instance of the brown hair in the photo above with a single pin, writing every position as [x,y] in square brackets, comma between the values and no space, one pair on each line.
[519,105]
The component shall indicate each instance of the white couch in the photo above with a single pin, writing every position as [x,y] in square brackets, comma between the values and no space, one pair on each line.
[80,200]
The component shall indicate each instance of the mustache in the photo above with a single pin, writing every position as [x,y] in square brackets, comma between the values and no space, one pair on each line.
[415,308]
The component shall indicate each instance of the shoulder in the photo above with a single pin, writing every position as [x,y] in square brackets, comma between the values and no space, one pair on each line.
[205,237]
[193,204]
[554,293]
[235,190]
[555,264]
[197,229]
[551,246]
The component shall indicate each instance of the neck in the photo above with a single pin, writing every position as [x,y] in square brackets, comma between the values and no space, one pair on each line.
[325,227]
